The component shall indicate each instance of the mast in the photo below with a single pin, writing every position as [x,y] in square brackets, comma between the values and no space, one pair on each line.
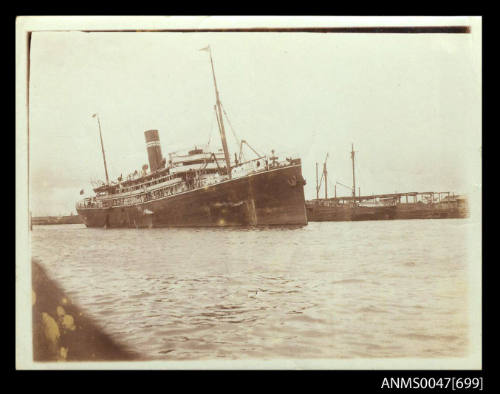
[325,173]
[102,147]
[219,115]
[326,183]
[353,174]
[317,187]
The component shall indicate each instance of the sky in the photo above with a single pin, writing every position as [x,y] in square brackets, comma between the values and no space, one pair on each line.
[410,104]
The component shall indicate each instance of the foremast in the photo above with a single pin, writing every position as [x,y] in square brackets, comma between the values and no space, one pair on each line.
[102,148]
[220,120]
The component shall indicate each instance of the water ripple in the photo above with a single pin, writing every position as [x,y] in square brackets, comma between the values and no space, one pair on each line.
[328,290]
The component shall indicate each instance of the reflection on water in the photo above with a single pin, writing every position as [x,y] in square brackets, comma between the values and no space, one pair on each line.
[327,290]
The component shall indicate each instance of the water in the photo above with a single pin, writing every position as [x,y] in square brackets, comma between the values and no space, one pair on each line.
[327,290]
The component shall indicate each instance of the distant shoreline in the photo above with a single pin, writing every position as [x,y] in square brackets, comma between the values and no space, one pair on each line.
[42,220]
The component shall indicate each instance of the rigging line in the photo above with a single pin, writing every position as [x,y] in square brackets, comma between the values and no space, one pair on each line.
[210,133]
[241,155]
[218,119]
[320,181]
[230,125]
[341,184]
[323,173]
[359,174]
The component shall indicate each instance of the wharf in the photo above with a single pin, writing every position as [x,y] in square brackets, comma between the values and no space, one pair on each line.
[412,205]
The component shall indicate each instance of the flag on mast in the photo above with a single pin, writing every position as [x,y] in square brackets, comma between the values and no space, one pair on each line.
[94,115]
[207,48]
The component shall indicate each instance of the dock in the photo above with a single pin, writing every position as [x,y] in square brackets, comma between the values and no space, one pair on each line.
[410,205]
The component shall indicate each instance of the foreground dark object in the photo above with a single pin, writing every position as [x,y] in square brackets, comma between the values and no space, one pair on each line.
[61,332]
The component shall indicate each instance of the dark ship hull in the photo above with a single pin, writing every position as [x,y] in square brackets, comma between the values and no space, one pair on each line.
[272,197]
[347,213]
[431,211]
[373,213]
[427,207]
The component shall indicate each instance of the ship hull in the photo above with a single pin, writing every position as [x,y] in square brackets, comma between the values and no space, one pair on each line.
[318,213]
[346,213]
[413,211]
[274,197]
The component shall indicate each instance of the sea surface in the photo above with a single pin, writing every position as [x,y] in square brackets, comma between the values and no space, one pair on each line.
[327,290]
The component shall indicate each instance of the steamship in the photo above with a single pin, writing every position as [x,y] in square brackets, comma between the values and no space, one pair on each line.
[199,187]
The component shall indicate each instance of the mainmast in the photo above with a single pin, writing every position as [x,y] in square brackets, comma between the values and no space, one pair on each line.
[353,174]
[317,183]
[324,174]
[326,180]
[219,116]
[102,147]
[326,177]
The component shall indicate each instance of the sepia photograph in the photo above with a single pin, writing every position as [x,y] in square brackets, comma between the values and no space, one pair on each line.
[248,192]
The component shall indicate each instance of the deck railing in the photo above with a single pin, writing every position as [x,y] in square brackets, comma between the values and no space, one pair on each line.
[155,193]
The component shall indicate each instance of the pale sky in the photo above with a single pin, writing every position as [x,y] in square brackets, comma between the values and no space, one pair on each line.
[410,103]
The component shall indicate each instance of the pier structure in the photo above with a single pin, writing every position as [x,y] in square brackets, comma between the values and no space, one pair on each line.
[394,198]
[409,205]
